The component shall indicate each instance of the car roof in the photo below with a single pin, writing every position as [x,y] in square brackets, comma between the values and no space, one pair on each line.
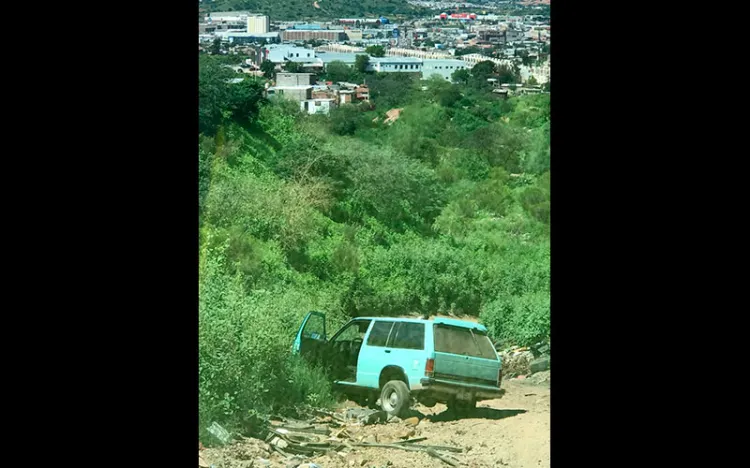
[440,320]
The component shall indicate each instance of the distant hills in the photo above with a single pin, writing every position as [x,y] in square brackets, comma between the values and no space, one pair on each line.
[311,9]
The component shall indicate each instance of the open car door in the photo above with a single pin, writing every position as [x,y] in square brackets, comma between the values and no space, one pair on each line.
[311,336]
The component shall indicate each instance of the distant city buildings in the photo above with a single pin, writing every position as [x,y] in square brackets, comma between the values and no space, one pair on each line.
[428,46]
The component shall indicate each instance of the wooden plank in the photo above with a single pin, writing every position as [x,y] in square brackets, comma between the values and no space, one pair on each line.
[413,448]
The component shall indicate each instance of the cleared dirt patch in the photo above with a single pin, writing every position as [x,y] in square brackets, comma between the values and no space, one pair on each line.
[513,431]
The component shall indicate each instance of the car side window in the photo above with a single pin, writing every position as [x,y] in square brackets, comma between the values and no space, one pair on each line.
[314,328]
[354,331]
[408,336]
[379,333]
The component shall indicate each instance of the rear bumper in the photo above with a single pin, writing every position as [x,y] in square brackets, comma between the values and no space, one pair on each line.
[446,387]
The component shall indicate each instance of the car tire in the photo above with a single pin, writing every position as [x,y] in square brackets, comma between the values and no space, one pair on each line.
[395,398]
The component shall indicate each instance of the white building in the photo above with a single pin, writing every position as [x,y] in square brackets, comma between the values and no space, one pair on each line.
[228,16]
[442,67]
[395,64]
[317,106]
[287,53]
[541,73]
[257,24]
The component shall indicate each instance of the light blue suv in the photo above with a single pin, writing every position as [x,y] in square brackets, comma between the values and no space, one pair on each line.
[397,359]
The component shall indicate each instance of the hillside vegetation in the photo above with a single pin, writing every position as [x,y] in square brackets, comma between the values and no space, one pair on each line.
[446,210]
[301,9]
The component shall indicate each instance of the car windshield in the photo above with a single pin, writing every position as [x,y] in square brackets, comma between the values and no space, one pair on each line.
[463,341]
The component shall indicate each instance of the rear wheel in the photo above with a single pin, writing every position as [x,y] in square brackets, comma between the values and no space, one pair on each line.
[395,398]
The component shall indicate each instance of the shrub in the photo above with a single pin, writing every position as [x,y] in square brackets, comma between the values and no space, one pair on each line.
[245,367]
[518,320]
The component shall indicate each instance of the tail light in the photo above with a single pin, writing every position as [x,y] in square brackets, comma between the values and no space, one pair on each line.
[429,368]
[499,377]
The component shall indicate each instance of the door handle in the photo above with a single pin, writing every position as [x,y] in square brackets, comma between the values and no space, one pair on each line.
[387,350]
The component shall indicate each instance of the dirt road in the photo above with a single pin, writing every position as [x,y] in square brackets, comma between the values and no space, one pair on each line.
[513,431]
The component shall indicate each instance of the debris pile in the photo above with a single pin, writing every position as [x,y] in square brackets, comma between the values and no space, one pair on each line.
[516,361]
[521,361]
[338,434]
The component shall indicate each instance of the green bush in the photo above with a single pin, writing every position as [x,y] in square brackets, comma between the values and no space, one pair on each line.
[518,320]
[245,365]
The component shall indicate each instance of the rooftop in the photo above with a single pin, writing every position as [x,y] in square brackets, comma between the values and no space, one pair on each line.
[443,61]
[247,34]
[328,57]
[441,320]
[230,13]
[393,59]
[291,87]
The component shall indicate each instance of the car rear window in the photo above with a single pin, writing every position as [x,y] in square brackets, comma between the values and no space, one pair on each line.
[407,336]
[463,341]
[379,333]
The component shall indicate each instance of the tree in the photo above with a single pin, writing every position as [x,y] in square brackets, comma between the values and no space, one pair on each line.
[338,71]
[219,100]
[376,50]
[345,119]
[216,46]
[244,100]
[397,190]
[449,96]
[213,93]
[524,55]
[361,63]
[268,68]
[507,74]
[392,89]
[483,70]
[532,81]
[461,76]
[293,67]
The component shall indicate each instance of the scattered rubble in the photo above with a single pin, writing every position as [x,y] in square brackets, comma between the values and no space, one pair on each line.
[337,434]
[343,438]
[220,433]
[516,361]
[519,361]
[539,365]
[540,377]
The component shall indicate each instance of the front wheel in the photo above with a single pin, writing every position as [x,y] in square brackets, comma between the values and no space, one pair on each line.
[395,398]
